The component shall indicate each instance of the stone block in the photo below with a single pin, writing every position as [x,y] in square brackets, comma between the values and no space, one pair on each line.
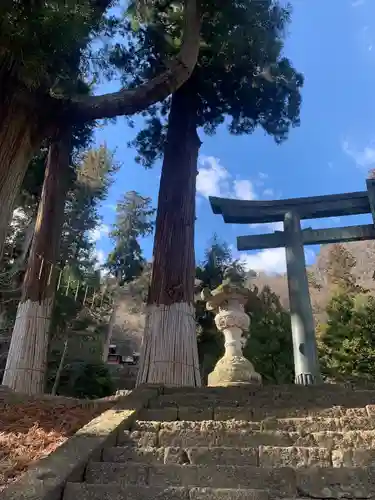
[370,410]
[335,440]
[280,481]
[134,454]
[195,414]
[84,491]
[353,457]
[293,456]
[224,433]
[223,456]
[350,423]
[138,438]
[110,472]
[342,482]
[302,425]
[159,414]
[146,426]
[233,412]
[227,494]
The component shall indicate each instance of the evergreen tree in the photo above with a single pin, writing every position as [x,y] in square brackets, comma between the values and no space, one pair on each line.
[341,263]
[41,77]
[94,175]
[133,221]
[347,343]
[269,344]
[241,75]
[217,258]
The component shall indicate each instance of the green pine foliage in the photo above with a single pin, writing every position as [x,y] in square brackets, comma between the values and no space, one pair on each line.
[41,60]
[242,76]
[269,341]
[347,342]
[133,221]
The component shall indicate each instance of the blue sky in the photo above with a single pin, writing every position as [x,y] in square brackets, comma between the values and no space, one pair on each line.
[333,44]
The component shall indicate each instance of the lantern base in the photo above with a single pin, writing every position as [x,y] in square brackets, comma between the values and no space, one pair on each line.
[232,371]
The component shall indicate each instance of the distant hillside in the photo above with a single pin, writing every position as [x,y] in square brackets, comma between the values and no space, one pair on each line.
[362,251]
[129,325]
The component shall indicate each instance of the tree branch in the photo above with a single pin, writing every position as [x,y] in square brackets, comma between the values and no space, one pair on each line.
[130,101]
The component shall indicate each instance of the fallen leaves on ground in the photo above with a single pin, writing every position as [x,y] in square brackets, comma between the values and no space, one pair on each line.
[32,428]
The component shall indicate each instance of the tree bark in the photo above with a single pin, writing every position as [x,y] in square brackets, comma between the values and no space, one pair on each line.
[20,136]
[26,363]
[131,101]
[169,352]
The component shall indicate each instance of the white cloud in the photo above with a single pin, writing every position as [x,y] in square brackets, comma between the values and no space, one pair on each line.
[212,178]
[100,256]
[271,260]
[363,158]
[268,192]
[268,226]
[97,233]
[244,190]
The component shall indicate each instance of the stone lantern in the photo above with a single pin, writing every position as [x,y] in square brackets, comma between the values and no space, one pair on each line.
[228,301]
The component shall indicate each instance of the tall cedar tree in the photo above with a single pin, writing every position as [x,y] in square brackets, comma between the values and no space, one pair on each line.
[40,76]
[27,358]
[133,221]
[242,78]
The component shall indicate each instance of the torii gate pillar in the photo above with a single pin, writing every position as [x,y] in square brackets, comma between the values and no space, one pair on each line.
[306,363]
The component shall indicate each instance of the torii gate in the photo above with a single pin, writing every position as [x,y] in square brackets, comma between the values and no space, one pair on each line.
[293,238]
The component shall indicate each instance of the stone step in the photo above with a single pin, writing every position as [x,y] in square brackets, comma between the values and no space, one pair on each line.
[280,481]
[84,491]
[225,411]
[310,482]
[268,390]
[280,403]
[296,424]
[195,437]
[263,456]
[238,434]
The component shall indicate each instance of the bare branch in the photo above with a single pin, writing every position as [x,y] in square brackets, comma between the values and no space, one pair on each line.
[130,101]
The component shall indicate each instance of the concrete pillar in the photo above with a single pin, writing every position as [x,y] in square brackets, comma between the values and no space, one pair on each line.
[306,362]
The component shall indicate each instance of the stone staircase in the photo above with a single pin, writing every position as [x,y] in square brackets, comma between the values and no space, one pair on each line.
[241,443]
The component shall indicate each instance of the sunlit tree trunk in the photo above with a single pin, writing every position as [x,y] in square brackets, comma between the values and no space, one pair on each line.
[19,138]
[169,352]
[26,363]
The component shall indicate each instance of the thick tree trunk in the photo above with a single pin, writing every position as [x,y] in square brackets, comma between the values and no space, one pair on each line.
[169,349]
[26,364]
[19,138]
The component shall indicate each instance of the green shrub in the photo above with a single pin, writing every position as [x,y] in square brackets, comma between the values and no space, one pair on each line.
[85,380]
